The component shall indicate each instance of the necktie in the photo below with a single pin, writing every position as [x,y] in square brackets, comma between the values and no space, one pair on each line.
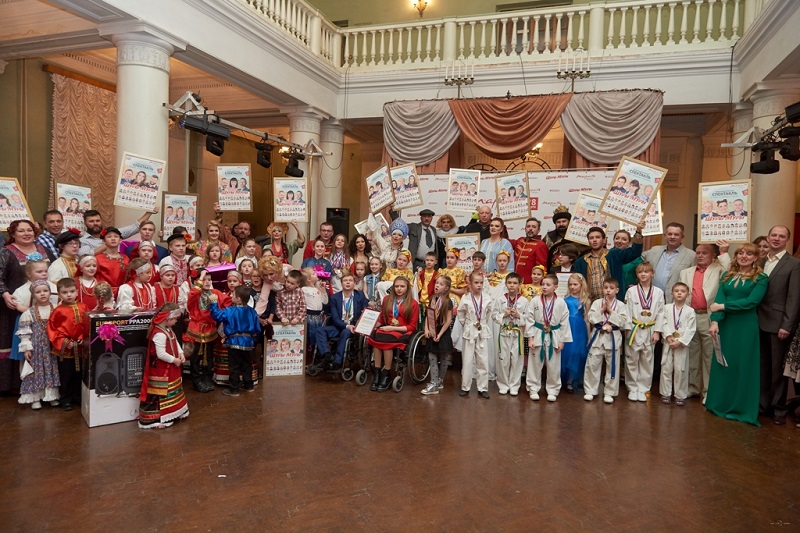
[428,238]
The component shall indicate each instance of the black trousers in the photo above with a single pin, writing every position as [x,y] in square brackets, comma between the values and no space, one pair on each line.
[240,361]
[773,383]
[201,362]
[70,377]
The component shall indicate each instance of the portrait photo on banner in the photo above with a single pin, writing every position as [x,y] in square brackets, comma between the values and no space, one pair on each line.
[13,205]
[284,354]
[512,198]
[585,215]
[653,222]
[363,226]
[405,184]
[178,210]
[462,190]
[291,200]
[725,211]
[466,244]
[233,187]
[632,189]
[72,201]
[379,185]
[139,182]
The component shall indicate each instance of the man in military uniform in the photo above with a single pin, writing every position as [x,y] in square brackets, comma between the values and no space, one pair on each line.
[530,250]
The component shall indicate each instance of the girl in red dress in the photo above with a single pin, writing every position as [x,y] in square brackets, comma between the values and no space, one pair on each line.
[87,266]
[166,290]
[399,319]
[112,266]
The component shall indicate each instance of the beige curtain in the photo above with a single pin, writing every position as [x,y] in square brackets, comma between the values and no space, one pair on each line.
[84,148]
[420,131]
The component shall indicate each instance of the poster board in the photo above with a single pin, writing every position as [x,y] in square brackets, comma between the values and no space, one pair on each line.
[284,354]
[233,187]
[405,183]
[653,222]
[724,208]
[139,181]
[178,210]
[291,195]
[584,216]
[72,201]
[467,244]
[462,190]
[363,226]
[512,202]
[13,205]
[632,190]
[380,189]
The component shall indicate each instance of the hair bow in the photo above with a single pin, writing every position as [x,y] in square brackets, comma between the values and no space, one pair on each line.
[103,232]
[35,256]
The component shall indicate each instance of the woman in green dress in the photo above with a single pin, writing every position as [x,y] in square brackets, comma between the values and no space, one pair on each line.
[733,390]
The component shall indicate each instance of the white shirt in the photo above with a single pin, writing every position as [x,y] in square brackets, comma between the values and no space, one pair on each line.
[770,262]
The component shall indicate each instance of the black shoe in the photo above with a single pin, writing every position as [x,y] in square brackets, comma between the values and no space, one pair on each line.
[463,392]
[66,406]
[386,380]
[335,367]
[779,420]
[484,394]
[375,380]
[231,392]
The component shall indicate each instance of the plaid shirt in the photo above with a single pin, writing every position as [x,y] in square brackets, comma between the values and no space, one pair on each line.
[49,242]
[597,274]
[290,305]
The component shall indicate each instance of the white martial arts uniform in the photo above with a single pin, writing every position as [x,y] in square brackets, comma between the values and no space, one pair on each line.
[510,352]
[644,308]
[474,353]
[675,361]
[546,335]
[605,345]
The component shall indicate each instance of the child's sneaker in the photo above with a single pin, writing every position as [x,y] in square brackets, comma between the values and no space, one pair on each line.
[230,392]
[608,399]
[432,388]
[36,405]
[551,397]
[588,397]
[440,385]
[55,403]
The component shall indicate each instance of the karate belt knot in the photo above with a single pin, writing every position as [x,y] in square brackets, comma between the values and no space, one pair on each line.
[546,330]
[507,330]
[598,328]
[637,325]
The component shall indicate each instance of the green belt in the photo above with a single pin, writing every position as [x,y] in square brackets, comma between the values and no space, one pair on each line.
[547,331]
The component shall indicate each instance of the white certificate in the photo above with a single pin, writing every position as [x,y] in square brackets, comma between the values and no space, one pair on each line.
[563,280]
[366,324]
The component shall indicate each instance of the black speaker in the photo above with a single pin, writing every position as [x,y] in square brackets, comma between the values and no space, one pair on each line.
[339,217]
[132,369]
[106,381]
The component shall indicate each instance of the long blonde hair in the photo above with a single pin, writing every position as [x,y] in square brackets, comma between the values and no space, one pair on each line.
[583,296]
[734,270]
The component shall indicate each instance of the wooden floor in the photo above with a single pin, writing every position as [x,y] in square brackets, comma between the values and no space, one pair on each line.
[315,453]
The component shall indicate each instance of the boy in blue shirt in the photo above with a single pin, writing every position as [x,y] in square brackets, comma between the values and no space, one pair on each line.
[242,328]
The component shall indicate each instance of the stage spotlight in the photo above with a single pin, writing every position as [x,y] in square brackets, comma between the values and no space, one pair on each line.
[264,155]
[204,125]
[790,151]
[292,170]
[215,145]
[793,113]
[767,164]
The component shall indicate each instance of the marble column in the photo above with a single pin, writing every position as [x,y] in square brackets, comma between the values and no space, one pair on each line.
[305,125]
[774,195]
[331,141]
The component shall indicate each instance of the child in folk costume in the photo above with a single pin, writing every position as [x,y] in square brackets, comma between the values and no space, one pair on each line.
[86,282]
[534,288]
[42,383]
[161,398]
[474,314]
[608,317]
[438,318]
[425,280]
[458,286]
[678,326]
[202,330]
[138,295]
[35,270]
[66,329]
[112,265]
[573,356]
[645,303]
[147,251]
[508,312]
[195,264]
[66,266]
[547,329]
[166,291]
[221,358]
[104,296]
[403,269]
[241,327]
[178,259]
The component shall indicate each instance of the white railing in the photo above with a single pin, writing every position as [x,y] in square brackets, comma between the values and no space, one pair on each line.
[638,26]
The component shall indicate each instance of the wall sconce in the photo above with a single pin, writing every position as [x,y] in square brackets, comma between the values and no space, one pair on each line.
[420,6]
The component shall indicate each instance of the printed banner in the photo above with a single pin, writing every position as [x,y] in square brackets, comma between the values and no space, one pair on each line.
[73,201]
[233,188]
[380,189]
[725,210]
[653,222]
[584,216]
[405,183]
[512,202]
[179,210]
[466,244]
[284,354]
[463,189]
[13,205]
[632,190]
[363,227]
[290,200]
[139,181]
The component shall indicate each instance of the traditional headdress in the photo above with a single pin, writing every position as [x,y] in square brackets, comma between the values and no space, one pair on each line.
[270,263]
[85,259]
[166,267]
[400,225]
[405,253]
[560,212]
[39,283]
[505,253]
[71,234]
[542,268]
[145,244]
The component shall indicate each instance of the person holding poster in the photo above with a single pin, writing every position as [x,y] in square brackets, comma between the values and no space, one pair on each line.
[513,205]
[92,240]
[77,201]
[142,192]
[380,196]
[724,211]
[406,193]
[289,203]
[465,197]
[600,263]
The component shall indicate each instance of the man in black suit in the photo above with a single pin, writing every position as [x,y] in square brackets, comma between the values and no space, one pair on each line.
[777,319]
[738,209]
[421,238]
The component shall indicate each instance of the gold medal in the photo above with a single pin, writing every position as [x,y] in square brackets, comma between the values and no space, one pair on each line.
[547,329]
[676,335]
[646,313]
[478,326]
[395,322]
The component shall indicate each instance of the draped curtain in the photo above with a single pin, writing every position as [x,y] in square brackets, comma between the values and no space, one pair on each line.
[84,148]
[419,131]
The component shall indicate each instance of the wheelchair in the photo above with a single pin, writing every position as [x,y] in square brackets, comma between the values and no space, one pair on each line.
[352,359]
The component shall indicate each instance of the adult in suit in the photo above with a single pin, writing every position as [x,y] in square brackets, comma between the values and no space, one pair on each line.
[703,282]
[669,259]
[346,307]
[422,238]
[777,320]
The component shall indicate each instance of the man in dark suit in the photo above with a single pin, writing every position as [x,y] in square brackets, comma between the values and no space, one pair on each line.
[346,307]
[777,319]
[738,209]
[422,238]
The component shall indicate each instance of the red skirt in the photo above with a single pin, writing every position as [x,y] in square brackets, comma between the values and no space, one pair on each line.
[388,340]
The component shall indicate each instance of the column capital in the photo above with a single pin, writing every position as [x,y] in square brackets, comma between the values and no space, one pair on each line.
[304,119]
[742,117]
[3,65]
[141,44]
[770,97]
[332,131]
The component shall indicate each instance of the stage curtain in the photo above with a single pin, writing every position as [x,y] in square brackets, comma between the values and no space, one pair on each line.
[603,127]
[507,128]
[84,148]
[452,158]
[418,132]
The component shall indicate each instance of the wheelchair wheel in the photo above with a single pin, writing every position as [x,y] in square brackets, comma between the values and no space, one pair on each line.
[364,353]
[418,364]
[347,374]
[312,370]
[397,383]
[361,377]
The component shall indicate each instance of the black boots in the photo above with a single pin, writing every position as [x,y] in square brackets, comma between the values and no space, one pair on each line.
[385,381]
[376,377]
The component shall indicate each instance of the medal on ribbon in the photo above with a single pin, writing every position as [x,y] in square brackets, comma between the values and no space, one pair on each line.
[478,310]
[547,311]
[645,300]
[676,320]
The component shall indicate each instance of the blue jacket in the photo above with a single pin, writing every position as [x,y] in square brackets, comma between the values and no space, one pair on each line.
[336,302]
[240,324]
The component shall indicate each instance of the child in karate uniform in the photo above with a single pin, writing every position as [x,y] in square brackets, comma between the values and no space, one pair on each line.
[678,324]
[508,311]
[644,303]
[474,315]
[608,317]
[547,329]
